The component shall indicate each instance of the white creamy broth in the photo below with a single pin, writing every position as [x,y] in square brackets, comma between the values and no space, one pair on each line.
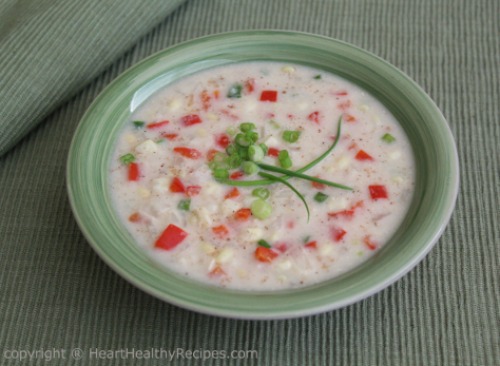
[163,186]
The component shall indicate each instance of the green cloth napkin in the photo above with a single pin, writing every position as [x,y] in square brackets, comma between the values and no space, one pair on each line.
[49,49]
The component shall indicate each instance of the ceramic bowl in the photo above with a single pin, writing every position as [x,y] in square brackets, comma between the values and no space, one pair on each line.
[431,140]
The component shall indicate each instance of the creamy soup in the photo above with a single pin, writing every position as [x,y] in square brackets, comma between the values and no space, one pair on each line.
[201,176]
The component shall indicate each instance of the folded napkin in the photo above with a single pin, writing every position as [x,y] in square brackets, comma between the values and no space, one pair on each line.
[49,49]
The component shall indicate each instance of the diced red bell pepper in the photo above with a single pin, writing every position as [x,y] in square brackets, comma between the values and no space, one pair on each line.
[233,193]
[250,85]
[378,192]
[157,125]
[222,140]
[282,247]
[133,172]
[314,117]
[369,243]
[188,152]
[341,93]
[353,145]
[192,191]
[338,234]
[318,185]
[236,175]
[265,255]
[220,230]
[269,96]
[170,136]
[217,272]
[363,155]
[312,245]
[349,117]
[177,186]
[135,217]
[171,237]
[191,119]
[344,105]
[272,151]
[346,213]
[205,100]
[243,214]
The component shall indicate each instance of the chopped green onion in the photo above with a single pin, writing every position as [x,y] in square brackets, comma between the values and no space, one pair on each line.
[253,136]
[220,173]
[317,77]
[231,149]
[264,148]
[306,239]
[138,123]
[255,153]
[184,205]
[127,158]
[261,193]
[231,131]
[388,138]
[284,159]
[235,91]
[243,152]
[249,167]
[291,136]
[281,180]
[159,141]
[233,161]
[296,173]
[264,243]
[218,165]
[320,197]
[274,124]
[261,209]
[247,127]
[289,173]
[243,140]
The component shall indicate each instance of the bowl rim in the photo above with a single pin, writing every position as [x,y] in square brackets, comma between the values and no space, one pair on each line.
[283,314]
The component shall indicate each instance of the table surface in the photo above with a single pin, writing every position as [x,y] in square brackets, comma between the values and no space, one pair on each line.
[57,295]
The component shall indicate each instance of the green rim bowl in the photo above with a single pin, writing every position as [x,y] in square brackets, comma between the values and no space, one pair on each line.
[432,142]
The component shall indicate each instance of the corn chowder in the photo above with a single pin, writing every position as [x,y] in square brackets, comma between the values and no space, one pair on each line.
[262,176]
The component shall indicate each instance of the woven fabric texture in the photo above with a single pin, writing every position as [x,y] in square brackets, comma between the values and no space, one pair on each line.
[56,294]
[50,49]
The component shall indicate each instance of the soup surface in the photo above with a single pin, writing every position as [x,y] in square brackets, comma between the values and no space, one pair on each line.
[184,170]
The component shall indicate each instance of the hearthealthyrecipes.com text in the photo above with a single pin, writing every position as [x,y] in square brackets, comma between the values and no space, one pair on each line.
[127,353]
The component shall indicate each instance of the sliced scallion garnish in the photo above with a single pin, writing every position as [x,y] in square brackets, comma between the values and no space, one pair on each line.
[320,197]
[127,158]
[264,243]
[284,159]
[184,205]
[292,173]
[282,181]
[263,182]
[235,91]
[290,136]
[388,138]
[261,193]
